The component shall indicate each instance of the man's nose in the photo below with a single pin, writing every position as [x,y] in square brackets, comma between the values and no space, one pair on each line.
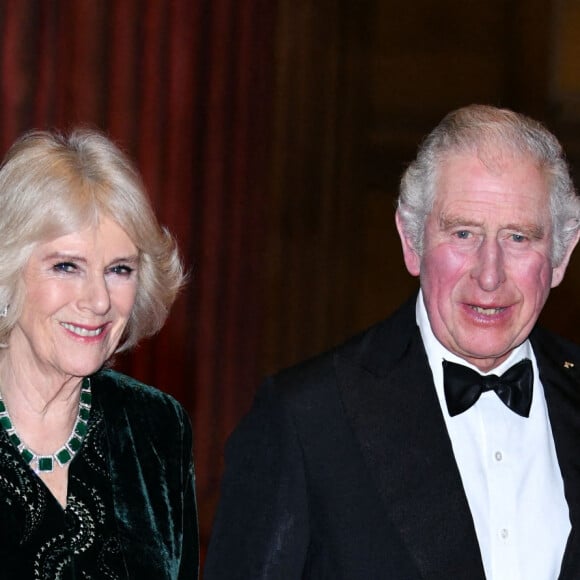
[489,268]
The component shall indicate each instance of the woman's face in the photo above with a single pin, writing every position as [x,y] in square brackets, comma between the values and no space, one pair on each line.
[80,290]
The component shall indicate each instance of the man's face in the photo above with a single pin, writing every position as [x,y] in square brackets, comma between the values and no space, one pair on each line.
[485,270]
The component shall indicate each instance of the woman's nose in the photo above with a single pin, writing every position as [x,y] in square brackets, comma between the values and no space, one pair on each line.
[95,296]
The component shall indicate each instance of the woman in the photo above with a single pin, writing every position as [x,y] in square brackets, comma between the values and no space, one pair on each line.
[96,472]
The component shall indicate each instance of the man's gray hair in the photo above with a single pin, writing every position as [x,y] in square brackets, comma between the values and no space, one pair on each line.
[491,134]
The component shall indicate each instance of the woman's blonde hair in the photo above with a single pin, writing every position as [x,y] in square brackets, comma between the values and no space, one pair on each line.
[52,184]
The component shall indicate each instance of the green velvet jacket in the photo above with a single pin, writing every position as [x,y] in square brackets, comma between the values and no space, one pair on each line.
[131,511]
[151,465]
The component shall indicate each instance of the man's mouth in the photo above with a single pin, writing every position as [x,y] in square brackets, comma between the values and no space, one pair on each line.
[487,311]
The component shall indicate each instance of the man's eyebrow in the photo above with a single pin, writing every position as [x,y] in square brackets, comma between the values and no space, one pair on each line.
[534,231]
[447,222]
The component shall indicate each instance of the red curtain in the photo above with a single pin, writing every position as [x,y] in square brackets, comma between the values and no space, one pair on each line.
[184,86]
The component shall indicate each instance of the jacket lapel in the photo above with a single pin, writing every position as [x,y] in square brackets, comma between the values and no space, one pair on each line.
[560,375]
[390,399]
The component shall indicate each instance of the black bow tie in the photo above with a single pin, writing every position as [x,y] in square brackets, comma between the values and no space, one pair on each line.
[463,386]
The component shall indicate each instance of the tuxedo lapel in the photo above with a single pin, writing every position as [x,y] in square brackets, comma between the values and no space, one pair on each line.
[560,375]
[396,417]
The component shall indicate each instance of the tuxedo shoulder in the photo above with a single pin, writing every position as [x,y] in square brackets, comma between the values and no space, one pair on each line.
[372,350]
[555,348]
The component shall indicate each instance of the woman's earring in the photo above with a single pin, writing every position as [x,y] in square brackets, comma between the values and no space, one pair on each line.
[4,312]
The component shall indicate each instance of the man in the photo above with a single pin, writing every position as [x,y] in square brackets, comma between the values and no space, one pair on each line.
[391,457]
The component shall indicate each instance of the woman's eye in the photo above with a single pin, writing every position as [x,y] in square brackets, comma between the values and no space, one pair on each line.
[122,270]
[65,267]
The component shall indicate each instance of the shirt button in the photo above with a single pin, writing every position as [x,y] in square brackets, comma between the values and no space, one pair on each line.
[504,533]
[498,456]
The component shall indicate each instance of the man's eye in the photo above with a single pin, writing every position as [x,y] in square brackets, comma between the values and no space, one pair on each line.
[518,238]
[65,267]
[463,234]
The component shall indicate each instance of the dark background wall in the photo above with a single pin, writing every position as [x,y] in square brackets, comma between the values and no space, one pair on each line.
[271,135]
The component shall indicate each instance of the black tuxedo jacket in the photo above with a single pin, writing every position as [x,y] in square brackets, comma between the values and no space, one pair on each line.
[343,469]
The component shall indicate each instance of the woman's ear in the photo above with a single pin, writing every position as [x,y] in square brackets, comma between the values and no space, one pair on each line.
[410,255]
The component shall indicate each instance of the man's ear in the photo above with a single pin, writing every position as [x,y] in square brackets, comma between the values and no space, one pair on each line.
[412,258]
[559,271]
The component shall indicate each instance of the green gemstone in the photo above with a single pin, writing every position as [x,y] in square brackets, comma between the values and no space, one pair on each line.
[74,444]
[63,456]
[45,463]
[15,439]
[28,456]
[81,428]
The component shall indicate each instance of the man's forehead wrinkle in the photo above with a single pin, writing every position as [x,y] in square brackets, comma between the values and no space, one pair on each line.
[495,157]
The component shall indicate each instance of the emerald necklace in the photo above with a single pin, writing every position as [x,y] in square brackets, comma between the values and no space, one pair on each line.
[64,455]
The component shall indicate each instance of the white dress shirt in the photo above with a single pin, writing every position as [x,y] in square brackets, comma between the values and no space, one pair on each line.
[509,471]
